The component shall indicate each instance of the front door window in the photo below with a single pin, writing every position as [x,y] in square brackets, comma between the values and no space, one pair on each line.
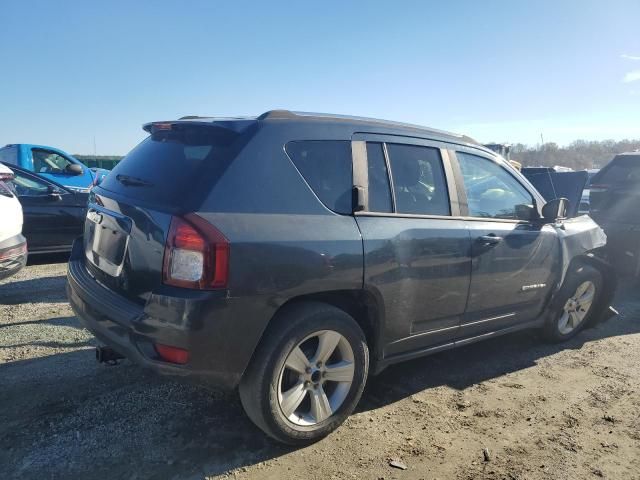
[46,161]
[491,191]
[29,187]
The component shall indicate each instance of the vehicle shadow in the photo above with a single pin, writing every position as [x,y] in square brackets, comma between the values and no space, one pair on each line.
[34,290]
[55,322]
[91,420]
[463,367]
[47,258]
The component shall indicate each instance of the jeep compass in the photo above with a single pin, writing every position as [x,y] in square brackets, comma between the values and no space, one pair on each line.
[291,255]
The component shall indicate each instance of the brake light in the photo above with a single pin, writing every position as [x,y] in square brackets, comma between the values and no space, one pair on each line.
[14,252]
[5,191]
[598,187]
[196,254]
[6,188]
[172,354]
[157,126]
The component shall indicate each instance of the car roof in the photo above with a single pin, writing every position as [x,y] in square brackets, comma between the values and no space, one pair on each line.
[629,154]
[239,123]
[35,145]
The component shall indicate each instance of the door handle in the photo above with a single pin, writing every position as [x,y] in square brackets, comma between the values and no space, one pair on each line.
[490,239]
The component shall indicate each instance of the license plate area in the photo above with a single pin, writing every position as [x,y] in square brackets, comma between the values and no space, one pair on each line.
[106,239]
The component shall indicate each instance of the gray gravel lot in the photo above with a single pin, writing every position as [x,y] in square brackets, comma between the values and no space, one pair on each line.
[542,411]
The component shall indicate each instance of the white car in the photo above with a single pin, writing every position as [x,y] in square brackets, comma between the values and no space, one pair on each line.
[13,246]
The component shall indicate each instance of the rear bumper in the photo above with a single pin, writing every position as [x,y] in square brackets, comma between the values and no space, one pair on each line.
[207,324]
[13,255]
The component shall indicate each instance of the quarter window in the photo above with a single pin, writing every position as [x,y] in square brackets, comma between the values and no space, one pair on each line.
[379,190]
[326,166]
[418,180]
[492,192]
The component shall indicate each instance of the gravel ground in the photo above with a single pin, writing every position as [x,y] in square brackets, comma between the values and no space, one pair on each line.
[541,411]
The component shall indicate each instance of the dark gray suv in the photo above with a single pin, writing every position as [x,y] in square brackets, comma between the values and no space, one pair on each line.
[292,254]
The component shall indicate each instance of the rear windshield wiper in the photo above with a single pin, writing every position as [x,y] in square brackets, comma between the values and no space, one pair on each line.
[132,181]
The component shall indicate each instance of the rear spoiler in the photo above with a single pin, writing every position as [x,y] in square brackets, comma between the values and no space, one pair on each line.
[237,125]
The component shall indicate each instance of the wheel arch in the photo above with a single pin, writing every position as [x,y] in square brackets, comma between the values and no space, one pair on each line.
[596,260]
[361,305]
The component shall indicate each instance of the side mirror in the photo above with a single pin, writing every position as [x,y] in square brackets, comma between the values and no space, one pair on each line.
[526,212]
[555,210]
[74,169]
[358,199]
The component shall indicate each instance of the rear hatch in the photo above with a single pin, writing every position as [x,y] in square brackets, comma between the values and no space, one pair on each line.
[614,194]
[552,184]
[130,213]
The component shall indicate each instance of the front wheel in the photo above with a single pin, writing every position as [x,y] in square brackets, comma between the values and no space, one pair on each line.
[576,302]
[307,374]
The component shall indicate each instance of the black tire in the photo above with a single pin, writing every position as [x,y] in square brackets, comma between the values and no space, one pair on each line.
[576,276]
[261,382]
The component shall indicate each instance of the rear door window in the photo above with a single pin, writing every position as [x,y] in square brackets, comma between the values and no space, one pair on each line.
[326,166]
[419,181]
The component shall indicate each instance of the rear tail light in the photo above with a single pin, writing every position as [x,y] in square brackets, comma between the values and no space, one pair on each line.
[6,188]
[172,354]
[14,252]
[196,255]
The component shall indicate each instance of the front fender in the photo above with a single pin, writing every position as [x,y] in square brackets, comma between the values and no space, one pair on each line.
[582,241]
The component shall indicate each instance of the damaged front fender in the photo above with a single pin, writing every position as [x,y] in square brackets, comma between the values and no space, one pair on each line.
[582,240]
[578,236]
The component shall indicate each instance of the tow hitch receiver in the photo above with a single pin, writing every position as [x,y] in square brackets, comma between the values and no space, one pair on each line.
[107,355]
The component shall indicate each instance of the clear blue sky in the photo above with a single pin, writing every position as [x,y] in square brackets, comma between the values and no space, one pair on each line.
[495,70]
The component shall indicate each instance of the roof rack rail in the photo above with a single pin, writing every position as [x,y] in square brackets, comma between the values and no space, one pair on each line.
[271,114]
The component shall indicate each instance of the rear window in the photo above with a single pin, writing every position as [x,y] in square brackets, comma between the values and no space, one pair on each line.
[169,163]
[326,166]
[9,155]
[623,170]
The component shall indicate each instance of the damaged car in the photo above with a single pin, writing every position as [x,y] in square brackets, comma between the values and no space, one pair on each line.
[291,255]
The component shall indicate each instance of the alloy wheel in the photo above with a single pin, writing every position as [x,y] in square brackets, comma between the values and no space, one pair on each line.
[316,378]
[577,307]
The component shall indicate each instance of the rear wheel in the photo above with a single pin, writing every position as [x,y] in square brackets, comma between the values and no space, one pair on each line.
[576,302]
[307,375]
